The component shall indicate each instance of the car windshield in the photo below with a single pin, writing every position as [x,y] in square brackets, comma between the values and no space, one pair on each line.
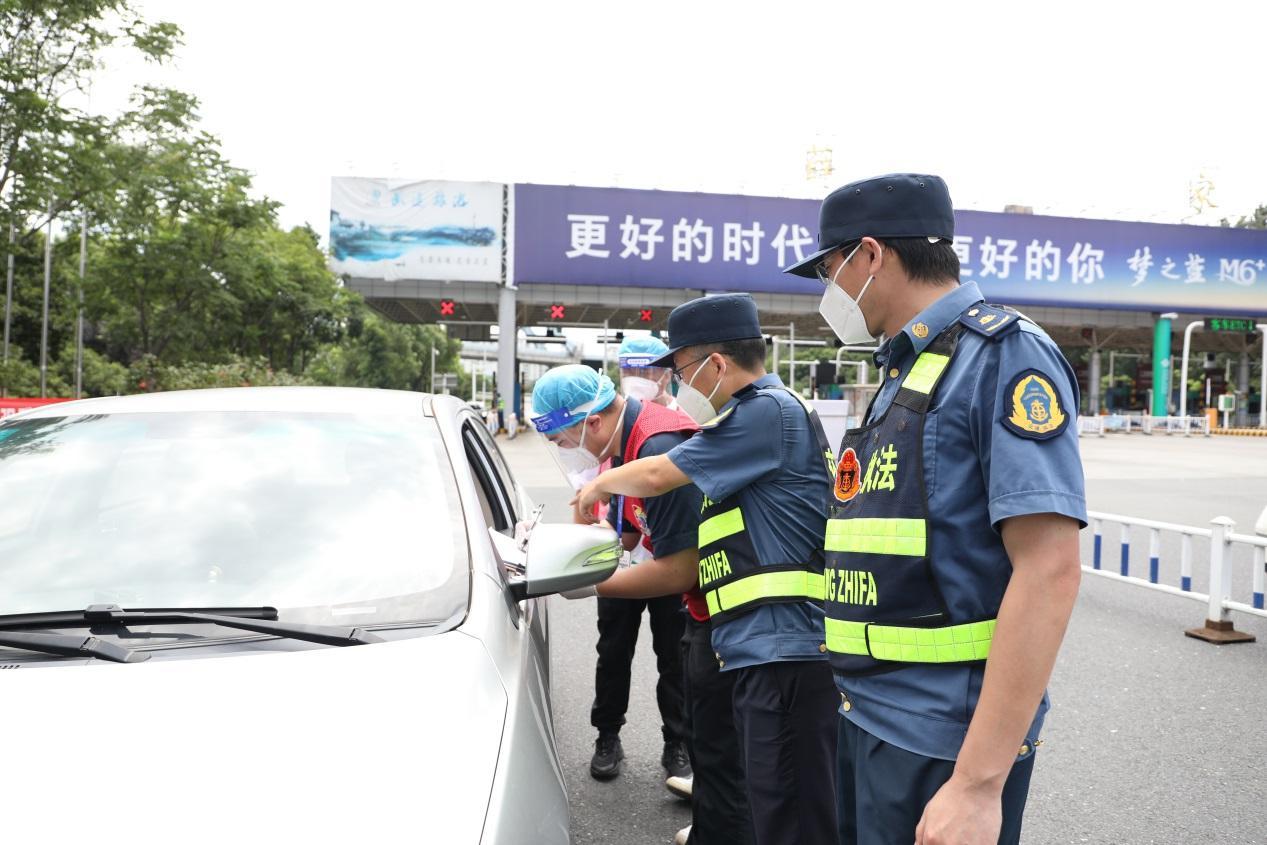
[331,518]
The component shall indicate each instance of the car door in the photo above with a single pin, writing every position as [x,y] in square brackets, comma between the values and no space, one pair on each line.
[501,496]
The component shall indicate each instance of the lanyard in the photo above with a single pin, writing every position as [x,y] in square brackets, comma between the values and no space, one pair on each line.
[620,514]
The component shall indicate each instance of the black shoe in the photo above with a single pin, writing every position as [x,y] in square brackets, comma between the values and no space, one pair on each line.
[608,752]
[675,760]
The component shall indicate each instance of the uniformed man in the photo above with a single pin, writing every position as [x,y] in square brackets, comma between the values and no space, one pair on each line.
[760,459]
[952,543]
[719,800]
[587,422]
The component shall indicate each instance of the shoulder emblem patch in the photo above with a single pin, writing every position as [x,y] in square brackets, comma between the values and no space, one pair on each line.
[989,321]
[848,476]
[1033,408]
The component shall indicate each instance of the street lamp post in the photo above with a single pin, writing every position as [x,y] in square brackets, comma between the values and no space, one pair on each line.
[8,294]
[48,274]
[433,367]
[79,321]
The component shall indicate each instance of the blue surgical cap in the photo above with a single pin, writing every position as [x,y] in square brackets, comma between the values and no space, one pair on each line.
[566,395]
[641,351]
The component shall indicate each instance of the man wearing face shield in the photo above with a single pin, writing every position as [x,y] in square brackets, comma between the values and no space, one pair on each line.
[762,462]
[952,533]
[586,424]
[638,378]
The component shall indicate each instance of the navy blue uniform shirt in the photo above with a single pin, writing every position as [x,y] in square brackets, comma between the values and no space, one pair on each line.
[762,448]
[978,472]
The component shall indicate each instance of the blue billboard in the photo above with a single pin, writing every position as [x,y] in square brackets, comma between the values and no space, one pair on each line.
[666,239]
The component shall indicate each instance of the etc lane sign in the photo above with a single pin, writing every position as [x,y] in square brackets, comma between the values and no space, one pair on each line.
[718,242]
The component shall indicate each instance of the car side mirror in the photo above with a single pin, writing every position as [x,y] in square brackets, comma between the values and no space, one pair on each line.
[566,557]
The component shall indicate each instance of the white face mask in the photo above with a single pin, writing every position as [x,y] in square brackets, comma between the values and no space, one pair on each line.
[842,312]
[577,480]
[696,405]
[579,464]
[643,389]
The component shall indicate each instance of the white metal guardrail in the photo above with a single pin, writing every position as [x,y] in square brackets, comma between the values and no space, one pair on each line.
[1223,543]
[1177,425]
[1126,423]
[1091,425]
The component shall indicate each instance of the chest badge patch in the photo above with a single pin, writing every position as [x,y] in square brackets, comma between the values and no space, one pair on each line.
[640,519]
[1033,408]
[848,476]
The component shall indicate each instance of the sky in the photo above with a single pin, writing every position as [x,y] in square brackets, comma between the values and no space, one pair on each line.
[1110,110]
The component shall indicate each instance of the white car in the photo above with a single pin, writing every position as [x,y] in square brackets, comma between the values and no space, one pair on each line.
[280,615]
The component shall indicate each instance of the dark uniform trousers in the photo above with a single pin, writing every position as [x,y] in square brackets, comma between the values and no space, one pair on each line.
[618,624]
[883,790]
[785,713]
[719,803]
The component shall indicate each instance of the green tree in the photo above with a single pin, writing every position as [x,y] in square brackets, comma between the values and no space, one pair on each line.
[19,377]
[380,353]
[1256,220]
[28,294]
[49,50]
[180,252]
[190,281]
[286,303]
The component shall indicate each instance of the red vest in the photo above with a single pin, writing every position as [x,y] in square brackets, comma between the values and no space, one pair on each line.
[656,419]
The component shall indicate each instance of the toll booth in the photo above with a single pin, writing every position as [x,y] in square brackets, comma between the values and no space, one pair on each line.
[1119,298]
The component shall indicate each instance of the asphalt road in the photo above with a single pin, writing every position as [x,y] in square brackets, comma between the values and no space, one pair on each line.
[1153,737]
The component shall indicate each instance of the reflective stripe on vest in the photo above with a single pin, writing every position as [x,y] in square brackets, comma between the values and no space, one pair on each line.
[720,527]
[793,585]
[949,644]
[877,536]
[924,374]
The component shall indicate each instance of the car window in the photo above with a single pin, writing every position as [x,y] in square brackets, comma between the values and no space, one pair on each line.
[494,498]
[486,504]
[500,467]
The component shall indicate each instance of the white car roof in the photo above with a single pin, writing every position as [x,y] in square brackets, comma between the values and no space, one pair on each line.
[258,399]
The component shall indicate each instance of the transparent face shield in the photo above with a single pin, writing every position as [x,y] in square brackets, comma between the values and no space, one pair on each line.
[645,383]
[565,431]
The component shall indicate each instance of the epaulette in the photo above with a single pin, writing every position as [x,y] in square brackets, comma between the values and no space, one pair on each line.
[991,320]
[717,420]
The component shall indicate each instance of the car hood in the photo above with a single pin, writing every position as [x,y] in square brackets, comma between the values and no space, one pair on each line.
[390,742]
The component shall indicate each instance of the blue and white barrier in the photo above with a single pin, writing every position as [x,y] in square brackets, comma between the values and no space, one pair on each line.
[1223,543]
[1100,425]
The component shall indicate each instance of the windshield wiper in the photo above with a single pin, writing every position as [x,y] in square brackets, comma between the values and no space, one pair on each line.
[69,645]
[72,618]
[256,619]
